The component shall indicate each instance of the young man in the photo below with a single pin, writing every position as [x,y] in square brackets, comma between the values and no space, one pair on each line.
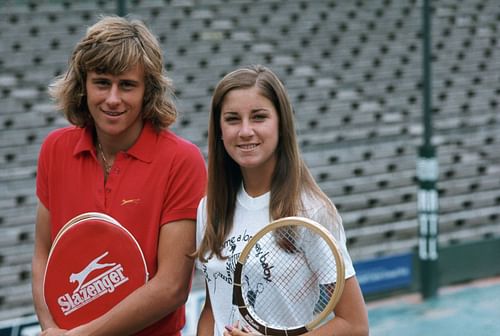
[119,158]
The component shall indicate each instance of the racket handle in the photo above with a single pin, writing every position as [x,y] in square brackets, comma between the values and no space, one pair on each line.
[237,286]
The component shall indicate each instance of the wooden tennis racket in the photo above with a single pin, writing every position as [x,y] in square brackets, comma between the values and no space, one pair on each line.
[289,277]
[93,264]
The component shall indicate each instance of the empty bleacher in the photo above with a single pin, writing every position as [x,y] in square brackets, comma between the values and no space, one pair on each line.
[353,70]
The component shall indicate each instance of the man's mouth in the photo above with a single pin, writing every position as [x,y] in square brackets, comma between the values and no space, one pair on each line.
[113,113]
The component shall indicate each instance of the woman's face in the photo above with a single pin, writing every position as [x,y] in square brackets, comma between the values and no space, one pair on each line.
[249,125]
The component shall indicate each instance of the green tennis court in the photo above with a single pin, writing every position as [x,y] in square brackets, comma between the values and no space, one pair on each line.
[471,309]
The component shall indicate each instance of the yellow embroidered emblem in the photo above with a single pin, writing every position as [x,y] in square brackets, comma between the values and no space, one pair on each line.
[131,201]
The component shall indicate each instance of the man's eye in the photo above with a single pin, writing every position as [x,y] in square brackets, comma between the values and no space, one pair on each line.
[127,85]
[101,83]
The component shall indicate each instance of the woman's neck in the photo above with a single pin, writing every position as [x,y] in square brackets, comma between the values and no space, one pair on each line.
[257,181]
[256,186]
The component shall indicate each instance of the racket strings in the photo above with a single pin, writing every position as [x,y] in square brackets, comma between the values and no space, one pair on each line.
[289,277]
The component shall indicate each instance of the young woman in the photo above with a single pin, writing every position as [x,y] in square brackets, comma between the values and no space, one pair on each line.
[255,175]
[119,158]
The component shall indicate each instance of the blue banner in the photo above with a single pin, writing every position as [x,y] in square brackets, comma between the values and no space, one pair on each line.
[385,274]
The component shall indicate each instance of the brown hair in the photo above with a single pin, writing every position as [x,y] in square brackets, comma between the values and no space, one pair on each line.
[291,176]
[114,45]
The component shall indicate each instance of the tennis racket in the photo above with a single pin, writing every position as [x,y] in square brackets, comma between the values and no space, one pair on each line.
[289,277]
[93,264]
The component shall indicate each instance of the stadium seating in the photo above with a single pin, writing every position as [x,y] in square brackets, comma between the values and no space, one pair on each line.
[353,70]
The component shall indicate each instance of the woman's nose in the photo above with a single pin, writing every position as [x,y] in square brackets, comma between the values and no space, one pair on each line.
[246,129]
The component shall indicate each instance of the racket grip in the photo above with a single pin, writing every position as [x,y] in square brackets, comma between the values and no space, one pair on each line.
[236,285]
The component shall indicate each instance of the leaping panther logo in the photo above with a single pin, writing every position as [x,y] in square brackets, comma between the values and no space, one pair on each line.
[81,276]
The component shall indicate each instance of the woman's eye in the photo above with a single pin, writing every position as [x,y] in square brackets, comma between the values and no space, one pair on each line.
[230,117]
[260,117]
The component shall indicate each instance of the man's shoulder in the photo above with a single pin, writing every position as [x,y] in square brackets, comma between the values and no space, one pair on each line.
[64,135]
[178,144]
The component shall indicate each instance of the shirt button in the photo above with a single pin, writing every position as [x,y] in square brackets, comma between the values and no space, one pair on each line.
[108,190]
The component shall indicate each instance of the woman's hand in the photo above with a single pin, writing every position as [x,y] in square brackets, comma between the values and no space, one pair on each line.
[235,330]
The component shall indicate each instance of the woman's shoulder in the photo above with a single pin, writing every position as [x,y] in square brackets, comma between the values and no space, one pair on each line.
[320,210]
[312,204]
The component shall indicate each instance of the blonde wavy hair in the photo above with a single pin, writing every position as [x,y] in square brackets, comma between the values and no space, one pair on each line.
[114,45]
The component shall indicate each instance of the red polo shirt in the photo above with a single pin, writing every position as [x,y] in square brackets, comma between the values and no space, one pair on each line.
[160,179]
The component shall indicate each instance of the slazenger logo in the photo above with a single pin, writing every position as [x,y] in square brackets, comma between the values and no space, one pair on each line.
[87,292]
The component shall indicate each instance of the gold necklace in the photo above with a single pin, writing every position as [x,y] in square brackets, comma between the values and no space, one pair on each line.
[107,166]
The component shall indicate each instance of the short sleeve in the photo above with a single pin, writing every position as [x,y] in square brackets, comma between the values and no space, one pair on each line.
[187,184]
[335,226]
[201,220]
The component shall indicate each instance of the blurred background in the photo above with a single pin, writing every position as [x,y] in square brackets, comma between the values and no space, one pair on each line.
[368,97]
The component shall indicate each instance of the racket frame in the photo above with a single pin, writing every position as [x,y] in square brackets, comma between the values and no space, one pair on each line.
[239,301]
[84,217]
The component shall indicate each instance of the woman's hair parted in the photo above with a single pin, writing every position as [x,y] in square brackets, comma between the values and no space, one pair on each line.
[114,45]
[291,176]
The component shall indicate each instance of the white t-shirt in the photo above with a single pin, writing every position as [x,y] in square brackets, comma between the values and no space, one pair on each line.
[252,214]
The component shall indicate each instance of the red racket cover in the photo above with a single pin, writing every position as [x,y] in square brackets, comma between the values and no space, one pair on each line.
[94,263]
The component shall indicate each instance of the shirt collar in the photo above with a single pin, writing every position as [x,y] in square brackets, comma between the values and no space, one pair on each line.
[85,142]
[250,202]
[143,149]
